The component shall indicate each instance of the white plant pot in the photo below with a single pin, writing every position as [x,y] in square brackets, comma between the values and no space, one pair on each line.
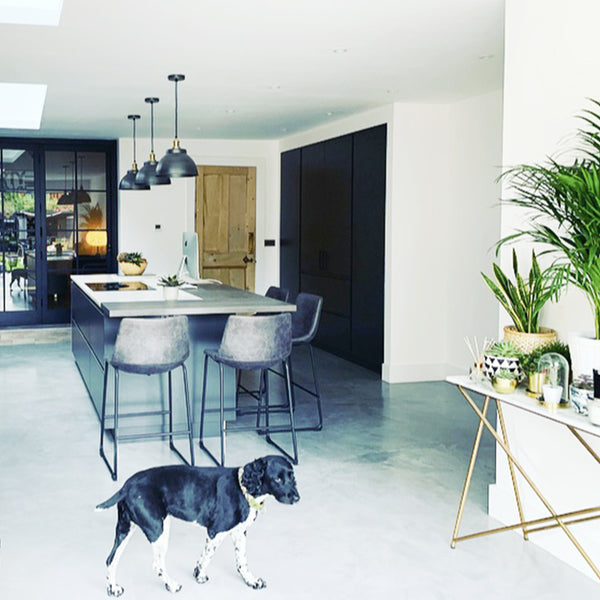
[585,353]
[552,393]
[170,293]
[594,411]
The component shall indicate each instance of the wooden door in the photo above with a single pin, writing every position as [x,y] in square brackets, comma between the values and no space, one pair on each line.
[226,224]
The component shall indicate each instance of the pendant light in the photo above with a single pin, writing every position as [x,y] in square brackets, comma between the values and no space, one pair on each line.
[67,197]
[176,162]
[81,196]
[147,174]
[128,182]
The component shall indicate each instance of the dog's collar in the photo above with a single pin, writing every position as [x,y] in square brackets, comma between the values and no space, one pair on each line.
[252,501]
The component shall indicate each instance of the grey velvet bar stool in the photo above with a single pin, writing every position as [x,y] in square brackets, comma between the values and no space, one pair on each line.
[305,325]
[147,346]
[278,293]
[252,343]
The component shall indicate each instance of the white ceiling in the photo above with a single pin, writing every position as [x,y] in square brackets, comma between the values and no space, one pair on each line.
[255,69]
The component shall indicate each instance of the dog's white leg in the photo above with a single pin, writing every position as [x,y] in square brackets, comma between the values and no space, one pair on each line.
[159,550]
[112,587]
[241,561]
[209,550]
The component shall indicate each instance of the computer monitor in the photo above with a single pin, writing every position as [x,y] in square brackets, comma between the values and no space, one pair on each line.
[188,267]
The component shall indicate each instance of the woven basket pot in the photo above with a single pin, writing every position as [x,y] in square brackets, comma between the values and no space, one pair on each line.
[128,268]
[528,342]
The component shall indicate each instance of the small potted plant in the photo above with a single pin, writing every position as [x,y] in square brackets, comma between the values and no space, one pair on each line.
[131,263]
[501,355]
[170,285]
[505,381]
[529,364]
[523,300]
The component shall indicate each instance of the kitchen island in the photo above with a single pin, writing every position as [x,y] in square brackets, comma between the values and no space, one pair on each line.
[100,301]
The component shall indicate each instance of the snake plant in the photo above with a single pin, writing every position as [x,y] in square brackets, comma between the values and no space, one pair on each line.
[524,299]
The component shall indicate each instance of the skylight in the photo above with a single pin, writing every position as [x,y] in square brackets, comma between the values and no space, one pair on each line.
[21,105]
[30,12]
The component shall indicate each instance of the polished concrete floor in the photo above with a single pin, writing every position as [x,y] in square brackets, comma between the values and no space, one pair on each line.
[380,487]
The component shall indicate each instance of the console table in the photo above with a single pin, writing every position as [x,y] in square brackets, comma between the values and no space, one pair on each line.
[576,424]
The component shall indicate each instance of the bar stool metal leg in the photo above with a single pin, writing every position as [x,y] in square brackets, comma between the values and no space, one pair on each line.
[202,413]
[292,429]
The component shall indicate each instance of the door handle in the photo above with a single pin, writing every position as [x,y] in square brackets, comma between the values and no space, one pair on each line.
[247,259]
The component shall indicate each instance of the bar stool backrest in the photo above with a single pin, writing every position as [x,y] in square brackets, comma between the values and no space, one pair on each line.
[278,293]
[147,346]
[305,321]
[256,341]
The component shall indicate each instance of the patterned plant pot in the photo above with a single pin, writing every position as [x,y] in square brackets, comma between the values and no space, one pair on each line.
[493,364]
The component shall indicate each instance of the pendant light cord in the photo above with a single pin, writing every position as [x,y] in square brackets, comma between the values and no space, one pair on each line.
[152,128]
[176,105]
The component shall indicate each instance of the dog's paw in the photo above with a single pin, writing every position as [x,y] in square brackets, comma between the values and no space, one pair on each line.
[257,584]
[173,587]
[199,577]
[114,590]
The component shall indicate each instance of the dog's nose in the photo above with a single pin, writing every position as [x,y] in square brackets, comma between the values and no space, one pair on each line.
[294,496]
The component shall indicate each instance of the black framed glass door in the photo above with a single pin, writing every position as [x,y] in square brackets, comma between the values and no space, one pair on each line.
[58,218]
[18,237]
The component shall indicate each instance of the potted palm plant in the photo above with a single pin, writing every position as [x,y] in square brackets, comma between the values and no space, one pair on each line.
[523,300]
[563,202]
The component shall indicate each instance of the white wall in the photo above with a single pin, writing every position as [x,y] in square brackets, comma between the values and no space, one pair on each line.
[441,220]
[552,65]
[172,206]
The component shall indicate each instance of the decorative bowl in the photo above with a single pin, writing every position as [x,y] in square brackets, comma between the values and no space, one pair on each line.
[128,268]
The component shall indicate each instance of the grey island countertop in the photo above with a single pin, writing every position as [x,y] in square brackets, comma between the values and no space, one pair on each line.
[141,296]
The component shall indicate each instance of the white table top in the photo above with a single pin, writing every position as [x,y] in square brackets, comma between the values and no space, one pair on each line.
[204,299]
[519,399]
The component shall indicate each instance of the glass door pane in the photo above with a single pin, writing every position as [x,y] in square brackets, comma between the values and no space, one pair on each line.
[17,231]
[61,212]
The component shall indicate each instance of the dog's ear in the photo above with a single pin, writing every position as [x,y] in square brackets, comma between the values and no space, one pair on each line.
[253,476]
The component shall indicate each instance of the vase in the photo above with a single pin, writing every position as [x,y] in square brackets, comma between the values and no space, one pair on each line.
[585,354]
[504,386]
[528,342]
[552,393]
[128,268]
[170,292]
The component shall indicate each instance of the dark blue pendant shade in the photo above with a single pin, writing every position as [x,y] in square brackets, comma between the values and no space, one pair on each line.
[176,162]
[128,182]
[147,174]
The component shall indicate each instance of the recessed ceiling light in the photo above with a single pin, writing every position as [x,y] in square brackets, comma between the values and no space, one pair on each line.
[340,50]
[329,113]
[230,111]
[275,87]
[21,105]
[486,57]
[30,12]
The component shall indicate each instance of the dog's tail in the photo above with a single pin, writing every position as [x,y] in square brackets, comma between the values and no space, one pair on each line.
[111,501]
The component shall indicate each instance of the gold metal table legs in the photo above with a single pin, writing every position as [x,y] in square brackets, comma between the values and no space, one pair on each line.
[553,520]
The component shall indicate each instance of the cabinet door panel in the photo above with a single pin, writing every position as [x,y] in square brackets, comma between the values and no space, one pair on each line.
[289,261]
[335,293]
[368,245]
[326,208]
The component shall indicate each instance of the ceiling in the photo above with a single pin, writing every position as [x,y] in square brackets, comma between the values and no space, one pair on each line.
[255,69]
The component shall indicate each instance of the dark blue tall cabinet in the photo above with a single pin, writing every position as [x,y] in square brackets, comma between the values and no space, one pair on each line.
[333,238]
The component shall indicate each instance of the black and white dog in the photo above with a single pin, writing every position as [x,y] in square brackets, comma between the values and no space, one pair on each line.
[224,500]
